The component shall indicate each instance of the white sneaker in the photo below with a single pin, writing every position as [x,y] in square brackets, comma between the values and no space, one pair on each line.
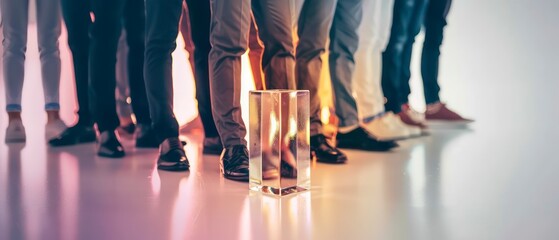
[396,120]
[15,132]
[383,129]
[54,129]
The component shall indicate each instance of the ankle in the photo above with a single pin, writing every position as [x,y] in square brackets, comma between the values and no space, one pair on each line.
[14,116]
[53,115]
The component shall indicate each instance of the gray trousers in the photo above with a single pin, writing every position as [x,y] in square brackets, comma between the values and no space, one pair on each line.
[344,41]
[317,19]
[15,21]
[229,31]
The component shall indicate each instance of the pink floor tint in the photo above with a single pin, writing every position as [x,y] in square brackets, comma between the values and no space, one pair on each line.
[495,180]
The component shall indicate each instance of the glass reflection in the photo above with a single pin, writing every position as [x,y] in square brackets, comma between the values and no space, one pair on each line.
[279,141]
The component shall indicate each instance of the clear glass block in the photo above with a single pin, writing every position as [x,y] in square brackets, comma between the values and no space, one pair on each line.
[279,141]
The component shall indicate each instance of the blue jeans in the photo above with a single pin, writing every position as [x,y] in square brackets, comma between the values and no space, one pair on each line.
[435,21]
[406,23]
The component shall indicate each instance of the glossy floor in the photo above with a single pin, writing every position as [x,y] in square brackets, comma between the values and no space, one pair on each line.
[496,180]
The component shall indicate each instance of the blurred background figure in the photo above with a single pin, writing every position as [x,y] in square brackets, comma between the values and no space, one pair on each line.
[437,112]
[373,38]
[77,18]
[123,100]
[106,30]
[406,23]
[15,23]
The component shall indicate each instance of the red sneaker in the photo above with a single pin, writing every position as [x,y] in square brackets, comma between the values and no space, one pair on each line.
[411,117]
[438,114]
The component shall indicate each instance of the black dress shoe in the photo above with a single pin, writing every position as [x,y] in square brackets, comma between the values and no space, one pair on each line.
[325,152]
[172,156]
[74,135]
[233,163]
[360,139]
[212,146]
[145,137]
[109,146]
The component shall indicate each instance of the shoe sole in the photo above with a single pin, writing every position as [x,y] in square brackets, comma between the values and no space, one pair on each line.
[243,178]
[174,168]
[343,146]
[396,138]
[111,156]
[448,124]
[339,161]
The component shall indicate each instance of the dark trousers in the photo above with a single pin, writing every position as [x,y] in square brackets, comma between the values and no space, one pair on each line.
[435,21]
[105,33]
[77,20]
[406,24]
[199,16]
[162,26]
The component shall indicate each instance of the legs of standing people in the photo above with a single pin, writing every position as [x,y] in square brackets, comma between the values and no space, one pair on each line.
[134,25]
[123,107]
[374,33]
[278,62]
[162,24]
[14,14]
[229,29]
[315,20]
[77,19]
[343,44]
[186,33]
[48,32]
[200,17]
[229,38]
[373,37]
[278,58]
[415,24]
[435,21]
[392,57]
[105,32]
[255,56]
